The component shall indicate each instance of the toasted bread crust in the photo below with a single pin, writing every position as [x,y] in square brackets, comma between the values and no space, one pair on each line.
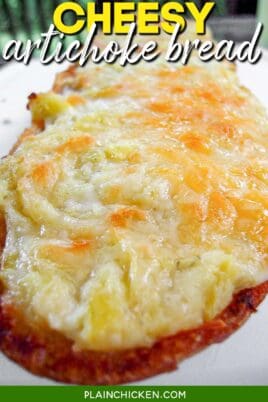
[48,353]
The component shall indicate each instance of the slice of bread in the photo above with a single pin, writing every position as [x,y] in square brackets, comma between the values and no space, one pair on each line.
[133,221]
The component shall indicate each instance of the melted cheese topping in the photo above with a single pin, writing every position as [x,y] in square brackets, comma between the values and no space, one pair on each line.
[141,208]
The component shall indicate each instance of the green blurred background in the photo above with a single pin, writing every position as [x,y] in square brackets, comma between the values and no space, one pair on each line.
[26,19]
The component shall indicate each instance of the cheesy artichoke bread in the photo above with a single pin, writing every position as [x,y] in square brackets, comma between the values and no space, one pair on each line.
[134,209]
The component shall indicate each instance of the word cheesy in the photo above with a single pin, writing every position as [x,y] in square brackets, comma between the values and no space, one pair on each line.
[116,17]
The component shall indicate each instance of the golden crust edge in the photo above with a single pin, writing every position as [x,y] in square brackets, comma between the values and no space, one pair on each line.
[48,353]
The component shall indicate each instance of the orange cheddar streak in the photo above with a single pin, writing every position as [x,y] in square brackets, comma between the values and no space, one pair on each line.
[196,143]
[76,100]
[76,144]
[45,174]
[121,217]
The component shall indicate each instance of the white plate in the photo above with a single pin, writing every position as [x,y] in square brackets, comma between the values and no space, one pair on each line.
[240,360]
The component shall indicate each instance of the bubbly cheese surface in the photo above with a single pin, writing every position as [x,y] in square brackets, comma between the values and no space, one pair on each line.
[141,208]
